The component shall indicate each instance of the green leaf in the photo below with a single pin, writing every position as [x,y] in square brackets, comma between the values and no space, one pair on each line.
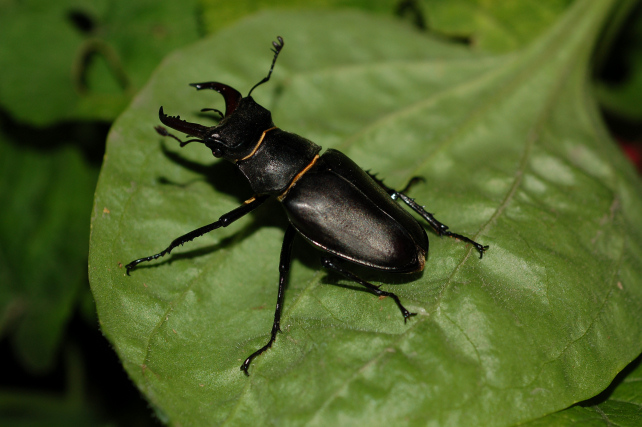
[619,405]
[514,155]
[84,59]
[44,220]
[493,26]
[487,26]
[219,14]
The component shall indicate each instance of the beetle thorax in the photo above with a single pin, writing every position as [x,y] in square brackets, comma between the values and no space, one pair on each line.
[280,157]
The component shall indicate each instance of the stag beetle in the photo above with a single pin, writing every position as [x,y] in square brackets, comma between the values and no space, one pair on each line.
[329,200]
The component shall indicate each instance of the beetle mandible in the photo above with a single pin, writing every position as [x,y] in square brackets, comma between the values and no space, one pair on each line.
[336,206]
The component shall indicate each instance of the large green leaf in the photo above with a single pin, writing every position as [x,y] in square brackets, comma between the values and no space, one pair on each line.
[514,155]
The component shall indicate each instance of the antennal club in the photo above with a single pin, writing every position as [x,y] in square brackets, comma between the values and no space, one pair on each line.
[277,49]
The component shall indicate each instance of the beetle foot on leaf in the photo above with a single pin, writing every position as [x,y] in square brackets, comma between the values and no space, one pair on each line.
[333,265]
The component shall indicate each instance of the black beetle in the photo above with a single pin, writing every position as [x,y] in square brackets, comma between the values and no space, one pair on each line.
[329,200]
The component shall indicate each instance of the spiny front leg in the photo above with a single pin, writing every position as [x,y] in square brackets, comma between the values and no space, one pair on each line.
[223,221]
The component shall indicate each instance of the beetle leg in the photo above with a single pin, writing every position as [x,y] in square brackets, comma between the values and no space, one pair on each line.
[394,193]
[440,228]
[332,264]
[223,221]
[284,268]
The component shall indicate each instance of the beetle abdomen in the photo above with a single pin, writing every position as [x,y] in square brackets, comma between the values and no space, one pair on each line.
[353,221]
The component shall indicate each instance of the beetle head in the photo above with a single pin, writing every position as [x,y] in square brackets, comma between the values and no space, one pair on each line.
[237,133]
[241,127]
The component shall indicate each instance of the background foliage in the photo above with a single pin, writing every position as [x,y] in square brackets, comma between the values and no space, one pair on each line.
[57,106]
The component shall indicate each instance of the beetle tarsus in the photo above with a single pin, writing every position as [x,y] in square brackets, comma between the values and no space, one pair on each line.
[333,265]
[440,228]
[129,267]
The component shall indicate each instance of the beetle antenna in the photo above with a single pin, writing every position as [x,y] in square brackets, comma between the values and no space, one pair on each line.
[213,109]
[277,49]
[163,132]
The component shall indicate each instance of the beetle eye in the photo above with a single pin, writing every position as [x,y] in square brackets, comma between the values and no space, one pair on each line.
[216,152]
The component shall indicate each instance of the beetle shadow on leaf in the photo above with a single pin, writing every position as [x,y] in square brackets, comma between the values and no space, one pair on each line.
[276,96]
[189,254]
[268,215]
[369,275]
[223,176]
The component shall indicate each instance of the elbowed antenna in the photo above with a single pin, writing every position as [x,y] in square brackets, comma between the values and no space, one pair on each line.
[277,49]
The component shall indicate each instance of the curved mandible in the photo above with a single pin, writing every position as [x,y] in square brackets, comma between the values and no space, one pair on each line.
[232,96]
[192,129]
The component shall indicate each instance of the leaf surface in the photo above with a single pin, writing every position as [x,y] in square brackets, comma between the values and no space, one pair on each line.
[514,155]
[619,405]
[492,26]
